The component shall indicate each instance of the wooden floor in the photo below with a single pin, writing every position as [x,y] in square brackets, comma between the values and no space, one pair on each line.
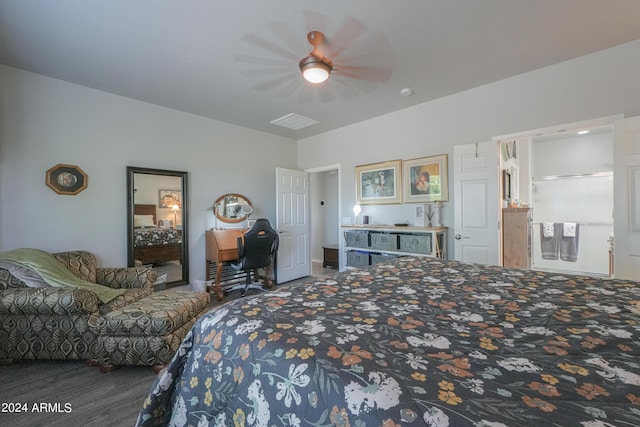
[75,394]
[79,395]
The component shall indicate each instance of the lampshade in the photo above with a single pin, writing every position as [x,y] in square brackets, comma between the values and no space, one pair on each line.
[314,70]
[357,210]
[175,208]
[247,210]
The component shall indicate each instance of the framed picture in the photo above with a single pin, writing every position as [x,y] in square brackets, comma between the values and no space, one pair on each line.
[425,179]
[170,198]
[66,179]
[379,183]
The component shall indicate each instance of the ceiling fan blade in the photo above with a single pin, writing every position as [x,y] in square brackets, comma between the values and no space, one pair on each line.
[258,60]
[345,91]
[358,85]
[287,89]
[373,74]
[278,82]
[271,47]
[349,31]
[288,38]
[264,71]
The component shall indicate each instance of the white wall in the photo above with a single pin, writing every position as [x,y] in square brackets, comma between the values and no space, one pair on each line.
[597,85]
[44,121]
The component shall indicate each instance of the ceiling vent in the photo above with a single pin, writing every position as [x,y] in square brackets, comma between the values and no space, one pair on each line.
[294,121]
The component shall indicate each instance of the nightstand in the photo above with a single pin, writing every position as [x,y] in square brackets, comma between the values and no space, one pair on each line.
[331,256]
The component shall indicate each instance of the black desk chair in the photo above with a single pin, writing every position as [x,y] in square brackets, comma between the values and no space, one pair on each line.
[256,250]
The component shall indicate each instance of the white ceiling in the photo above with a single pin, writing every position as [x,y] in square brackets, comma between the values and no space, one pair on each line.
[236,60]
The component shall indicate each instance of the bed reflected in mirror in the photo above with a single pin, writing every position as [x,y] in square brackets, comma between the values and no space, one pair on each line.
[157,223]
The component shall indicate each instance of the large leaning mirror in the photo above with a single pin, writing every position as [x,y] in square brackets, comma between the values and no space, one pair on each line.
[157,222]
[232,208]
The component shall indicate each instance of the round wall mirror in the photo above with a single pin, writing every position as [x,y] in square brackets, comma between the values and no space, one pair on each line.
[232,207]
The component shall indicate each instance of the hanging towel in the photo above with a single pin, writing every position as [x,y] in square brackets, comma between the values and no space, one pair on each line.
[549,245]
[569,245]
[569,229]
[547,230]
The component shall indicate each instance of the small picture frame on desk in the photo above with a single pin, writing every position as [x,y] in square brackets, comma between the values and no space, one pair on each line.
[422,216]
[251,222]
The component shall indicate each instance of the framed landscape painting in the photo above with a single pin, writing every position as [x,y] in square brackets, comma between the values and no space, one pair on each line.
[379,183]
[425,179]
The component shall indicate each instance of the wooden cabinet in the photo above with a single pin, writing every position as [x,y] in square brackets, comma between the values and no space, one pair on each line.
[516,237]
[370,244]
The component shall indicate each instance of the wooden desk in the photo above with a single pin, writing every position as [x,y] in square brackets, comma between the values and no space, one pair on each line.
[221,246]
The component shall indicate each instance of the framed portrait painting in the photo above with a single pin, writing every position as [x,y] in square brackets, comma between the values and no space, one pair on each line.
[66,179]
[379,183]
[425,179]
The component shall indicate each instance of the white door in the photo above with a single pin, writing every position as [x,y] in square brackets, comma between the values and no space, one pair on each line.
[626,203]
[476,207]
[292,220]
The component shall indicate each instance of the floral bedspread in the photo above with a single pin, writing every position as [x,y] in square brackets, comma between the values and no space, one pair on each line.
[412,342]
[153,236]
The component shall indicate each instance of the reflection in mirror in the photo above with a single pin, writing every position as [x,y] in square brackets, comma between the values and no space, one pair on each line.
[232,207]
[157,222]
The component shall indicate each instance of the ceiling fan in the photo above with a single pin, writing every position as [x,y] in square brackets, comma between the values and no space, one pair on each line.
[345,62]
[315,67]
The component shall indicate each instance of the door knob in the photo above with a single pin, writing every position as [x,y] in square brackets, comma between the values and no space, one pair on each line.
[458,237]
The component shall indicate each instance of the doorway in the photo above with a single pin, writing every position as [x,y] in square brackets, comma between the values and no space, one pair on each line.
[565,175]
[324,195]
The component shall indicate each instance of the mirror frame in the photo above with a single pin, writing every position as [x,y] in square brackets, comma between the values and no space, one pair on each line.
[231,220]
[131,171]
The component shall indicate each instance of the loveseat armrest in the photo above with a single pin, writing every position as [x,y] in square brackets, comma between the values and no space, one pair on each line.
[48,300]
[127,278]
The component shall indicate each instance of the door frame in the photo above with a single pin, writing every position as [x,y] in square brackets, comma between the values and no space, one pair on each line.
[338,168]
[551,130]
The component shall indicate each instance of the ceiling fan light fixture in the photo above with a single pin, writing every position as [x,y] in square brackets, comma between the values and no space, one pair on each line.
[314,70]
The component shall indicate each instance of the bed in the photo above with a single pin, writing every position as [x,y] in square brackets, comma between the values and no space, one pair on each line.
[414,341]
[152,244]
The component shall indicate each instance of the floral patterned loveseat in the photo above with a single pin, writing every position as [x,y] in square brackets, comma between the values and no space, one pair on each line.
[138,327]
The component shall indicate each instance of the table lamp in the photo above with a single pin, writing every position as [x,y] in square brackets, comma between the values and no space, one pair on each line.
[175,209]
[356,211]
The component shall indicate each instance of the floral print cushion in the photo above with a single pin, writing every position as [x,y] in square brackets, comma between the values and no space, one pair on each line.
[412,342]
